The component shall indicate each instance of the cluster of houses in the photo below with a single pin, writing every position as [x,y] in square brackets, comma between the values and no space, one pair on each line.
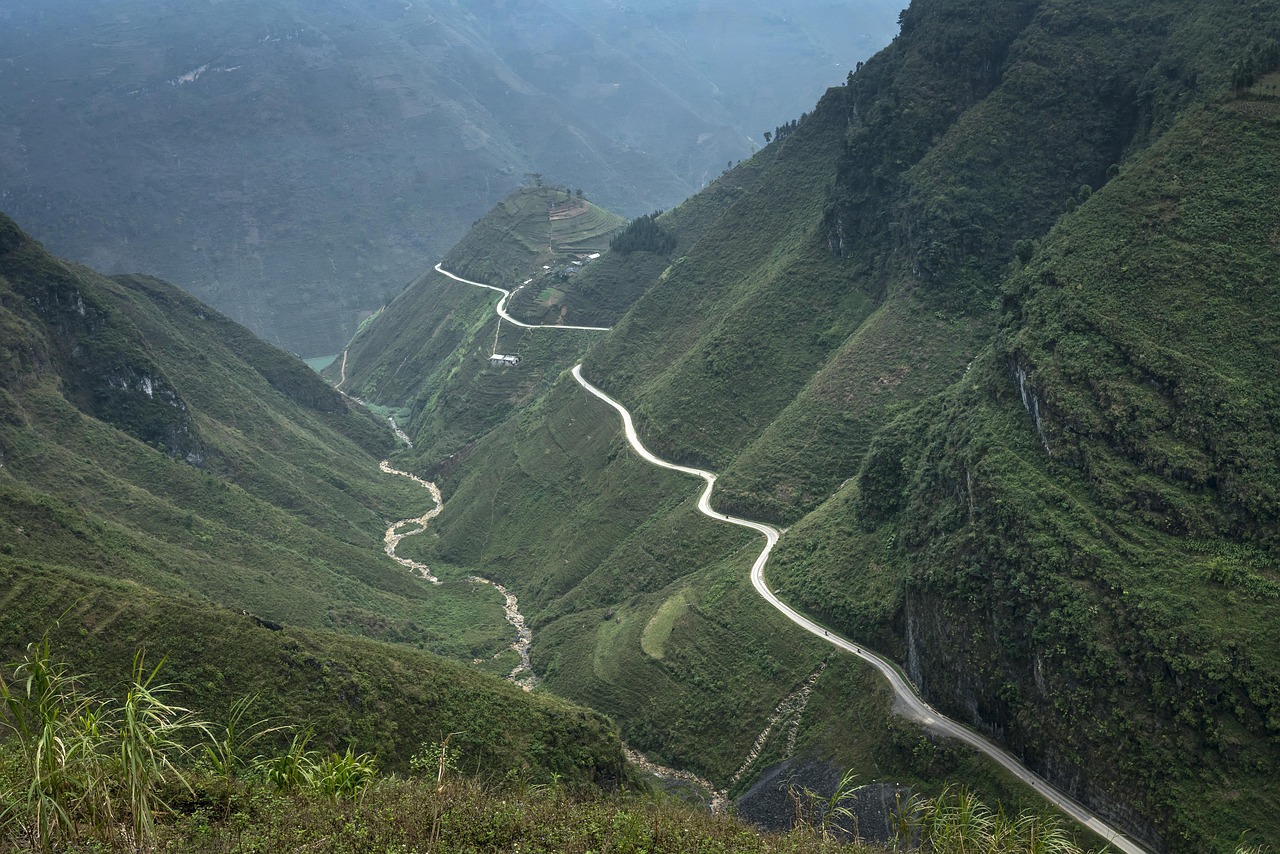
[507,360]
[573,266]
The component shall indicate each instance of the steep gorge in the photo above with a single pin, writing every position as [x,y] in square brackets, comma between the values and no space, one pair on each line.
[928,330]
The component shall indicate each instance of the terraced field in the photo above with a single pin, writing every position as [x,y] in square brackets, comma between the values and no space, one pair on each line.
[532,227]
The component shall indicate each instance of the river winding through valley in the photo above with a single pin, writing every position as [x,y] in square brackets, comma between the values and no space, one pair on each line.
[523,674]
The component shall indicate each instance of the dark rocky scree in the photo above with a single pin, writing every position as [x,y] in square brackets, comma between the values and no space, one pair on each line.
[771,802]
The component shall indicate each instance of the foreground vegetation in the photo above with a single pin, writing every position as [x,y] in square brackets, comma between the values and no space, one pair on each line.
[373,696]
[467,815]
[140,772]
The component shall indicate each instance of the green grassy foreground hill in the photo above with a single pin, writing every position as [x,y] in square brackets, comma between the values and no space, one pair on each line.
[386,699]
[991,330]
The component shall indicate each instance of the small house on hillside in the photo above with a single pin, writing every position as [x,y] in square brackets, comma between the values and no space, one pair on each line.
[499,359]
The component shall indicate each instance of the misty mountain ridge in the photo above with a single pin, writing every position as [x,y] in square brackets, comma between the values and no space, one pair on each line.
[295,164]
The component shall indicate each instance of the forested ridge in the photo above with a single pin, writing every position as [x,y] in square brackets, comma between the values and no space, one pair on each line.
[990,334]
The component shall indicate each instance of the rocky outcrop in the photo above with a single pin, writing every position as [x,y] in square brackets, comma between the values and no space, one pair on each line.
[801,789]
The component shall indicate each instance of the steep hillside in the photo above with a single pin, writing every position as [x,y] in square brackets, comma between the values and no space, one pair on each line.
[1081,539]
[855,339]
[147,438]
[533,230]
[293,163]
[169,482]
[388,699]
[428,354]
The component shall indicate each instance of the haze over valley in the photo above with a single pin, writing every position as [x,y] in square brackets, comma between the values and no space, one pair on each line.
[705,452]
[295,164]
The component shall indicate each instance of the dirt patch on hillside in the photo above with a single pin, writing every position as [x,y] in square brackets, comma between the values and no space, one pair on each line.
[567,210]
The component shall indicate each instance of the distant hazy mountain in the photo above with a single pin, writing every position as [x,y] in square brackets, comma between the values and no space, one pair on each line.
[296,162]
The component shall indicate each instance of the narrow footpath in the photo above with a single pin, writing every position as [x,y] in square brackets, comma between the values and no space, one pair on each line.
[907,702]
[791,708]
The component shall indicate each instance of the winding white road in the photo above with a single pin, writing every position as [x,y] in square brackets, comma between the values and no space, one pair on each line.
[907,702]
[502,306]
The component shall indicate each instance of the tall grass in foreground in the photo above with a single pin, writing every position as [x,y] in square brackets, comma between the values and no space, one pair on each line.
[79,766]
[956,821]
[78,772]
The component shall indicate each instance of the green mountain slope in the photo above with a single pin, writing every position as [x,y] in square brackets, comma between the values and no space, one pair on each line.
[1053,504]
[428,353]
[1086,528]
[168,481]
[384,698]
[147,435]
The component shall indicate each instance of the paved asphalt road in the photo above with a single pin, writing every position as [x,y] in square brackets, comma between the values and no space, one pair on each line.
[907,702]
[502,306]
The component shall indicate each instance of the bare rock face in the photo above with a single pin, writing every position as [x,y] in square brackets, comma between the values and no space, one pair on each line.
[799,790]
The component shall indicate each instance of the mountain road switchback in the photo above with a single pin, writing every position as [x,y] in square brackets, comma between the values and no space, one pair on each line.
[502,306]
[906,702]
